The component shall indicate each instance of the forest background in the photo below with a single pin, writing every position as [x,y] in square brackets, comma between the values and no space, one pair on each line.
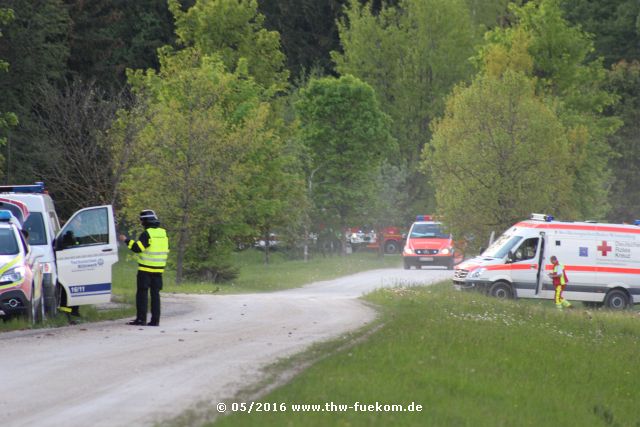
[239,118]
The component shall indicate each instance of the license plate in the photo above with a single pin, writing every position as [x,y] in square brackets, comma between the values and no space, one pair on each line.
[426,258]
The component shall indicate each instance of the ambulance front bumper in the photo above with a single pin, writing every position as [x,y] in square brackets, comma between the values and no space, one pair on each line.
[471,285]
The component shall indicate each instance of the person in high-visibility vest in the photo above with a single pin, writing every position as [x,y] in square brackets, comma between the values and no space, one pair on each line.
[152,249]
[559,277]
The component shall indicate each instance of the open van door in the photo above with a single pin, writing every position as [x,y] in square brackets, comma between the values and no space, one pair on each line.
[86,249]
[541,264]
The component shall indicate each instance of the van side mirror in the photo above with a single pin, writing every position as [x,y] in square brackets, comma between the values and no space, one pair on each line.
[510,257]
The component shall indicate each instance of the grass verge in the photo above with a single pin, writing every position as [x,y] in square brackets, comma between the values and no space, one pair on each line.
[469,360]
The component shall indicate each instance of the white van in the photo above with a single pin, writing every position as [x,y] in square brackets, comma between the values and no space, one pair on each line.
[77,259]
[602,262]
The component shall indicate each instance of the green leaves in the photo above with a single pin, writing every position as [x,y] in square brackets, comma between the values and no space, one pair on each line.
[499,153]
[348,137]
[233,29]
[412,55]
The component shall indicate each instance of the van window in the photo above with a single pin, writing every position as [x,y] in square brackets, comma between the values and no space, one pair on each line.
[501,247]
[527,250]
[8,242]
[35,226]
[90,227]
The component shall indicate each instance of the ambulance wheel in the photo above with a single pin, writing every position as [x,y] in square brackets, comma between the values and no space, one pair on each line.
[501,290]
[617,300]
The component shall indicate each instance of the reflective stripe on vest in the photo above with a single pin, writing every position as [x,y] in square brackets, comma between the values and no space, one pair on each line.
[563,278]
[154,258]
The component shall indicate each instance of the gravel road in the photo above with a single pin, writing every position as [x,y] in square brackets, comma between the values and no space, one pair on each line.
[207,349]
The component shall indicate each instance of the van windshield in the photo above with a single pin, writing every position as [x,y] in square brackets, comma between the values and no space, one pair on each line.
[35,226]
[501,247]
[427,231]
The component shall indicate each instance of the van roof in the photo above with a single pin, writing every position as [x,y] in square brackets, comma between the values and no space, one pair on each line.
[586,226]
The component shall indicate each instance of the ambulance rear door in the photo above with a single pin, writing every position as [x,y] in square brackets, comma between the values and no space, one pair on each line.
[86,249]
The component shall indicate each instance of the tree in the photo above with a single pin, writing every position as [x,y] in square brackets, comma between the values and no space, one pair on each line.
[566,75]
[7,119]
[35,45]
[499,153]
[109,36]
[624,197]
[614,24]
[201,123]
[75,120]
[348,137]
[412,55]
[233,29]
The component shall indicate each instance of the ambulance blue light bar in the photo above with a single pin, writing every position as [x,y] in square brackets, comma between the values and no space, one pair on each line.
[37,188]
[541,217]
[636,222]
[424,218]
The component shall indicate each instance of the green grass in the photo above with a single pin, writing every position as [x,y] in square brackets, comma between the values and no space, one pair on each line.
[255,276]
[473,361]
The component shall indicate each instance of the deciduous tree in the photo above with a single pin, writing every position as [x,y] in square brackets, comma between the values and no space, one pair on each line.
[499,153]
[348,136]
[412,54]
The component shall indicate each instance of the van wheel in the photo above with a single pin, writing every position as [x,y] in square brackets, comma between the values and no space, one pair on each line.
[501,290]
[32,307]
[52,300]
[617,300]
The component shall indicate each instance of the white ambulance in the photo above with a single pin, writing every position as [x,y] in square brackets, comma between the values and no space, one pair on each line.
[77,258]
[602,262]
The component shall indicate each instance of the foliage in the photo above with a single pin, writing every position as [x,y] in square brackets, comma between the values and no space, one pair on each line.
[412,55]
[109,36]
[624,81]
[348,137]
[35,45]
[79,166]
[233,29]
[201,121]
[615,25]
[7,119]
[499,153]
[308,30]
[565,73]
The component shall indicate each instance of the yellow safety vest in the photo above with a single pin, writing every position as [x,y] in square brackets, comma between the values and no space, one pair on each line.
[154,257]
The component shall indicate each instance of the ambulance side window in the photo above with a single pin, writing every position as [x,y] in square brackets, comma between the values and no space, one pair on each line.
[527,250]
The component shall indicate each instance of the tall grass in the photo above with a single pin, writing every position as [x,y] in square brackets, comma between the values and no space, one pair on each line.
[473,361]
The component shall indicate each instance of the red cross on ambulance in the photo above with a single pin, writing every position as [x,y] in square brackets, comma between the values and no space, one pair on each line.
[604,248]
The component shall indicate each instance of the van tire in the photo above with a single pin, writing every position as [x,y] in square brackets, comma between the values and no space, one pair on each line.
[52,300]
[617,299]
[501,290]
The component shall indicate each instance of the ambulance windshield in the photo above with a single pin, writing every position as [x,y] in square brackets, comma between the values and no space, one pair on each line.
[501,247]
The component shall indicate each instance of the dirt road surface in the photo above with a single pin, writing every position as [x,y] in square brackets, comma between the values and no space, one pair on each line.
[207,348]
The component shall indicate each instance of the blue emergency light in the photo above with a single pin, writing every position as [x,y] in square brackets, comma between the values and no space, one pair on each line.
[541,217]
[5,216]
[37,188]
[636,222]
[424,218]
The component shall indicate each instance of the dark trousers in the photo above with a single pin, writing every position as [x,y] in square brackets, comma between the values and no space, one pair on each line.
[148,283]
